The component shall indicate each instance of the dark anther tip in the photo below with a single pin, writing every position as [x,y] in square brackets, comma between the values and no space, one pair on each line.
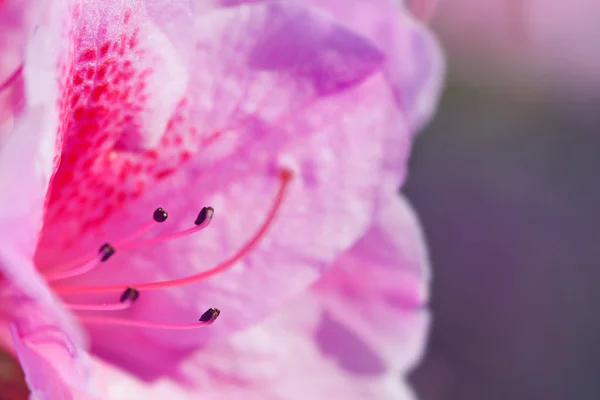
[160,215]
[210,315]
[106,251]
[130,294]
[205,214]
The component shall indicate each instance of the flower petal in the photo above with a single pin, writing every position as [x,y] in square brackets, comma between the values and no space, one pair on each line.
[354,337]
[302,107]
[414,63]
[44,337]
[29,153]
[46,340]
[381,286]
[237,86]
[17,19]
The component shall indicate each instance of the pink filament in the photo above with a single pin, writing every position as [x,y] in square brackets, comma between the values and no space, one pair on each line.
[285,179]
[171,236]
[86,267]
[79,266]
[123,242]
[140,324]
[100,307]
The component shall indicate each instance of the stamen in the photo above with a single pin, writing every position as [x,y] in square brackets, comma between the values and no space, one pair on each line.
[202,221]
[160,215]
[88,262]
[153,325]
[285,178]
[88,266]
[106,252]
[204,216]
[129,296]
[210,315]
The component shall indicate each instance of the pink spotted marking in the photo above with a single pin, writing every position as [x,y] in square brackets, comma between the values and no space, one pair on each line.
[102,96]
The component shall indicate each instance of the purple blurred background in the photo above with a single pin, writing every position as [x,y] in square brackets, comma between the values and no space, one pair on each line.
[505,180]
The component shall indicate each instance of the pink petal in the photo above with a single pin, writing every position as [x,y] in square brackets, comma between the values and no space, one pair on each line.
[414,63]
[45,339]
[53,369]
[301,109]
[384,279]
[17,19]
[29,153]
[354,337]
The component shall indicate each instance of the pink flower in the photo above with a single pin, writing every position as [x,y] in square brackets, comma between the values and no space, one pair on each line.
[292,125]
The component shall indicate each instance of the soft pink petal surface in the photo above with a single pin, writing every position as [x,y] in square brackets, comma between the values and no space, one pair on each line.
[354,336]
[43,337]
[414,64]
[272,86]
[17,19]
[50,353]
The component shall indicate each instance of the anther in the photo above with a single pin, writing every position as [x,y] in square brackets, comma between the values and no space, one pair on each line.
[205,215]
[160,215]
[106,252]
[130,294]
[210,315]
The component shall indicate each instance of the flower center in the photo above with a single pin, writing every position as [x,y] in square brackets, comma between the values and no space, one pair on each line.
[131,292]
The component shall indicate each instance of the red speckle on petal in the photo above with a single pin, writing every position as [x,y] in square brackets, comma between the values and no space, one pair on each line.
[78,113]
[87,55]
[98,92]
[78,80]
[163,174]
[133,42]
[104,49]
[103,96]
[185,156]
[101,74]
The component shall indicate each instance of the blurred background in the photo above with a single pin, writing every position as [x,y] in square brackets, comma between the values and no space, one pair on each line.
[505,182]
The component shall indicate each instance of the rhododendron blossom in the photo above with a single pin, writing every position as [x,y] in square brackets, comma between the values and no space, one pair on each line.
[174,176]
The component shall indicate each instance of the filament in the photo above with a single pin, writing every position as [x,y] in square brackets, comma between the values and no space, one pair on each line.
[206,319]
[100,307]
[285,178]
